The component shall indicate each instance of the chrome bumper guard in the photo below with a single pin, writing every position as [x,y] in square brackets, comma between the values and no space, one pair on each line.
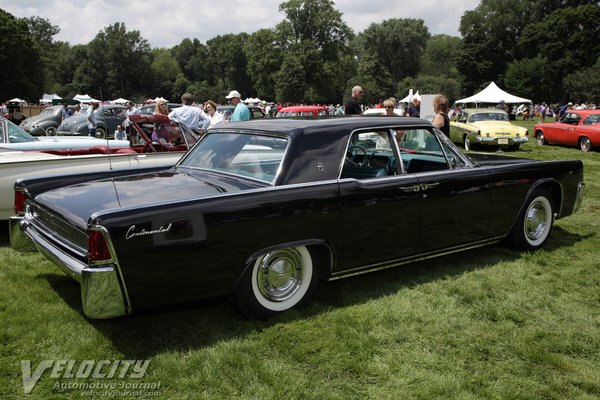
[101,292]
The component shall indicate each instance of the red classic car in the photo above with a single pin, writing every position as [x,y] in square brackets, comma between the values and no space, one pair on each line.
[302,111]
[575,128]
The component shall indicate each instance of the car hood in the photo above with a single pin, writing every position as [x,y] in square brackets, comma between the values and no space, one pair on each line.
[78,202]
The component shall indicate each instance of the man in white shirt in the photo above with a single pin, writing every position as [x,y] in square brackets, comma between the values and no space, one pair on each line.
[190,115]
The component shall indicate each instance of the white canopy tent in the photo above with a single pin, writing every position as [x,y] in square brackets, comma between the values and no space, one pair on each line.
[16,100]
[120,100]
[47,98]
[493,94]
[409,98]
[84,98]
[251,100]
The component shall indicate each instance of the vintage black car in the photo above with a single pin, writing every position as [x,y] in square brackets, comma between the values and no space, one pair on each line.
[262,210]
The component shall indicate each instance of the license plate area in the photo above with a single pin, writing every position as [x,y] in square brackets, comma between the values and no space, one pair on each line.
[502,141]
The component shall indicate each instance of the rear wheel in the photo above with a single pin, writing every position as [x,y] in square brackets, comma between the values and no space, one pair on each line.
[534,222]
[276,282]
[51,131]
[585,144]
[541,140]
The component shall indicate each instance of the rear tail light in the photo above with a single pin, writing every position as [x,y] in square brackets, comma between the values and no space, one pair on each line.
[97,247]
[20,197]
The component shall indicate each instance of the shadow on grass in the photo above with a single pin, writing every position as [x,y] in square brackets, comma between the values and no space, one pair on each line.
[191,326]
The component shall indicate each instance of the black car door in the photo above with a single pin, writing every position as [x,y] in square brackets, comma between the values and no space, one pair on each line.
[381,210]
[457,199]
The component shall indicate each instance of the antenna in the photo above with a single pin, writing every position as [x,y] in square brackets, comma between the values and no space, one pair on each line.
[106,133]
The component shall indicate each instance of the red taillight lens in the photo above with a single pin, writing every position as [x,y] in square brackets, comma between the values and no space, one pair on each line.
[97,247]
[20,201]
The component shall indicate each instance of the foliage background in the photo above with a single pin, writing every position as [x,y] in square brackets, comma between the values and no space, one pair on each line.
[546,50]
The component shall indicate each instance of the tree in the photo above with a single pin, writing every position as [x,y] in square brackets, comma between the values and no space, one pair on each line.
[490,34]
[21,66]
[566,41]
[165,71]
[584,85]
[265,57]
[191,56]
[227,59]
[388,53]
[117,64]
[316,38]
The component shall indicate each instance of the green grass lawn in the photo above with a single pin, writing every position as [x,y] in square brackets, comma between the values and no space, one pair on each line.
[490,323]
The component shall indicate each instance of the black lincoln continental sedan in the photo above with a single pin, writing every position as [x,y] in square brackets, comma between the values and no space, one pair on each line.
[263,210]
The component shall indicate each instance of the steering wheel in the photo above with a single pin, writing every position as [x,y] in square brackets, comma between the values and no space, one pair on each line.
[154,147]
[351,153]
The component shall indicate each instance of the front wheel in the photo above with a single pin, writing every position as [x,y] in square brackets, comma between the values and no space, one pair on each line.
[51,131]
[276,282]
[101,133]
[541,140]
[467,143]
[585,144]
[534,222]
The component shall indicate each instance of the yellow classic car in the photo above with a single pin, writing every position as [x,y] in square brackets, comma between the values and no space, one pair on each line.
[487,126]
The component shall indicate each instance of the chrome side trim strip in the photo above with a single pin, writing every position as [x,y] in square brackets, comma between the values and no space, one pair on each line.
[411,259]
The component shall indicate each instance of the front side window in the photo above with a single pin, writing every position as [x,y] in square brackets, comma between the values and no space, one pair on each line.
[250,155]
[17,135]
[571,118]
[370,155]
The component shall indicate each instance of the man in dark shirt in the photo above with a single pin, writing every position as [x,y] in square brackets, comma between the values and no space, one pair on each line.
[414,110]
[352,106]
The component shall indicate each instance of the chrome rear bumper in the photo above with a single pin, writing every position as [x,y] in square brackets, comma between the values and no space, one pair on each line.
[102,295]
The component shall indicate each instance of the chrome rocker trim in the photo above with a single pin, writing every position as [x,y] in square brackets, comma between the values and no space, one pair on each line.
[101,292]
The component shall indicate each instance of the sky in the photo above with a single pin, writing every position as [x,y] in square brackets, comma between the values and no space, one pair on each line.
[165,23]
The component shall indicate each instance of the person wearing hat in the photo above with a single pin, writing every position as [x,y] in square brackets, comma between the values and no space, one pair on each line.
[500,105]
[241,112]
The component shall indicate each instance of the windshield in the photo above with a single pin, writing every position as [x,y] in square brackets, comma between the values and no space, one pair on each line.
[15,134]
[237,153]
[488,117]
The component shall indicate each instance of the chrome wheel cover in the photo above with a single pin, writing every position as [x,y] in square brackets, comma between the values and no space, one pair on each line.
[538,220]
[467,143]
[585,144]
[280,274]
[540,139]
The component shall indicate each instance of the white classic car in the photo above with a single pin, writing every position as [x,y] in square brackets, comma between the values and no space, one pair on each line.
[14,138]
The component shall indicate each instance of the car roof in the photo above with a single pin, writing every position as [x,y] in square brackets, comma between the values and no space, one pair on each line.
[302,108]
[290,126]
[585,112]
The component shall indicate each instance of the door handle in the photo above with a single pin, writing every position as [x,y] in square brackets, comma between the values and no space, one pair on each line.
[414,188]
[425,186]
